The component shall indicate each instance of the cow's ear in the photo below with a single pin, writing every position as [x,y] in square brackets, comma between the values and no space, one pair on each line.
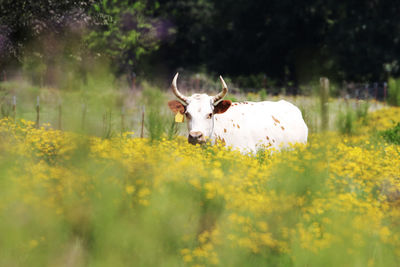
[176,106]
[222,106]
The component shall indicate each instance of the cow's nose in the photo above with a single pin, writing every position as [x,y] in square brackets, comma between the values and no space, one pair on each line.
[196,137]
[196,134]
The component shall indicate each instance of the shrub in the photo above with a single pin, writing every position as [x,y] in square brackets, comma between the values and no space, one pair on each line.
[392,135]
[155,121]
[345,121]
[362,112]
[394,92]
[263,94]
[349,118]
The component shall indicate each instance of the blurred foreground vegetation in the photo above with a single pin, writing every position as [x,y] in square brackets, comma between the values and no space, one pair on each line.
[69,199]
[80,188]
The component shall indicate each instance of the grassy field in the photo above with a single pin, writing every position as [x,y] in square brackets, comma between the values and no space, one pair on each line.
[69,198]
[103,109]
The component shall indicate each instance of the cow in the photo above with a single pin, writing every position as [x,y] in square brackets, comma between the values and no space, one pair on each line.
[246,126]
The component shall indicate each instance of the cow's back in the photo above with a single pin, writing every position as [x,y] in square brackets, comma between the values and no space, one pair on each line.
[253,125]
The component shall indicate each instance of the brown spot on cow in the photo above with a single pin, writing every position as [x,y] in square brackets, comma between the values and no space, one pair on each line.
[267,138]
[283,128]
[238,126]
[273,140]
[275,119]
[224,130]
[233,125]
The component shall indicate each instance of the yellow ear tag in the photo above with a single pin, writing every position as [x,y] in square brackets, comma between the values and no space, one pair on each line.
[179,117]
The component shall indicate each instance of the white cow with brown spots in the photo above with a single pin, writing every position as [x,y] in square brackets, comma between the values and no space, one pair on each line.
[247,126]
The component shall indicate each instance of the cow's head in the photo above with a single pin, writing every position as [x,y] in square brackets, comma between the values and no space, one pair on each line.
[199,110]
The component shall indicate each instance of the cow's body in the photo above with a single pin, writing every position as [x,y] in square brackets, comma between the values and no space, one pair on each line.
[249,126]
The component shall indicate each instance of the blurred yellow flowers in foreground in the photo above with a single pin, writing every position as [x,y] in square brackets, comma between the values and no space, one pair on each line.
[128,201]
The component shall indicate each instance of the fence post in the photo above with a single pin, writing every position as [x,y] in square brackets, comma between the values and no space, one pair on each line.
[324,98]
[60,114]
[122,119]
[37,111]
[14,108]
[142,123]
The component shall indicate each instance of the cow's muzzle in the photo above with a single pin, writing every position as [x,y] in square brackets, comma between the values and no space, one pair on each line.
[196,138]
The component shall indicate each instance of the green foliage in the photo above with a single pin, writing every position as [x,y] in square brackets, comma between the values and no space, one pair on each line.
[263,94]
[23,21]
[231,98]
[107,124]
[394,92]
[251,81]
[309,116]
[127,32]
[156,122]
[172,130]
[5,107]
[348,119]
[392,135]
[345,121]
[362,112]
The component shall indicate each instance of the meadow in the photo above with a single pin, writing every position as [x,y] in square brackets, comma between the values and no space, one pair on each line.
[85,198]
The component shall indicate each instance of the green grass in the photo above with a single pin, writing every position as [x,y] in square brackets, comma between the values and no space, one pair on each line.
[392,135]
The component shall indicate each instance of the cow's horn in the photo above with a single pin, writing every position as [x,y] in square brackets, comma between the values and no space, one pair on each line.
[175,89]
[223,93]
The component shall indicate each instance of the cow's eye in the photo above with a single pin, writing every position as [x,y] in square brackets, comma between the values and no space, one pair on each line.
[187,115]
[209,116]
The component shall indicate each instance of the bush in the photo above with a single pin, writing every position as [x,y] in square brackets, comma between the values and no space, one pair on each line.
[349,118]
[156,122]
[392,135]
[394,92]
[345,121]
[362,112]
[263,94]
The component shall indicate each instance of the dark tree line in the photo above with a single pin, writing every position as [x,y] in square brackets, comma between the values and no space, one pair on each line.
[294,40]
[285,40]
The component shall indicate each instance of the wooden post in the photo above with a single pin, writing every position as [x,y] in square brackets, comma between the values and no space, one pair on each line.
[60,114]
[14,108]
[37,111]
[142,124]
[122,119]
[324,98]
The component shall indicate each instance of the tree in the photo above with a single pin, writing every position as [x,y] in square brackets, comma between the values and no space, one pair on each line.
[128,32]
[24,22]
